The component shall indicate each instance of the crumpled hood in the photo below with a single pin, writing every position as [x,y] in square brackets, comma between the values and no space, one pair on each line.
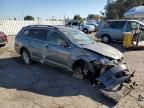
[104,49]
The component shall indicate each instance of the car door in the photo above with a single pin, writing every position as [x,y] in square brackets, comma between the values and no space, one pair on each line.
[38,38]
[57,49]
[76,25]
[116,30]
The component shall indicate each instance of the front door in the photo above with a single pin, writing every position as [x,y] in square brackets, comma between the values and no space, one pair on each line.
[57,50]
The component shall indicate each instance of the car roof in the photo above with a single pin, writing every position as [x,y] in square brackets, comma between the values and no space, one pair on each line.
[58,27]
[127,20]
[121,20]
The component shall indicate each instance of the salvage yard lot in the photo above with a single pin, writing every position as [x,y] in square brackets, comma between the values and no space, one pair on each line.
[43,86]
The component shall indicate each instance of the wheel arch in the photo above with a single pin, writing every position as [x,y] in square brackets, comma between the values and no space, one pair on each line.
[23,48]
[77,63]
[106,35]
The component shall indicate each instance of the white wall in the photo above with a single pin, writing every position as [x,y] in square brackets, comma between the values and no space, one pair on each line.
[12,27]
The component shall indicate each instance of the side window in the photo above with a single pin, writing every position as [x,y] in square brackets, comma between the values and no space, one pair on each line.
[56,39]
[26,33]
[75,23]
[132,26]
[40,34]
[117,24]
[106,24]
[69,23]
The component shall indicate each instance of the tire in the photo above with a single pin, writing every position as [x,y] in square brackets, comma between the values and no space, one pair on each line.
[77,72]
[26,57]
[82,72]
[3,45]
[85,30]
[106,39]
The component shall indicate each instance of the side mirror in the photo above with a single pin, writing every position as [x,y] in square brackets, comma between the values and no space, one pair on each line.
[64,44]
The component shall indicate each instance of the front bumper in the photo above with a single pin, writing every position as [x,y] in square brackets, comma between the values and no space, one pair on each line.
[91,29]
[116,82]
[119,91]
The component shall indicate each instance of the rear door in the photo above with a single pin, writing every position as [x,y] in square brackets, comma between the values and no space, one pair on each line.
[37,39]
[76,25]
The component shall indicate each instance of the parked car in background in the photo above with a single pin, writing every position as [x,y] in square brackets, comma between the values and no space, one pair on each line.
[114,29]
[81,26]
[3,39]
[75,51]
[94,23]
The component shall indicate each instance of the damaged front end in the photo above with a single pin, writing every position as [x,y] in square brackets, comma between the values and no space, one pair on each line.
[115,78]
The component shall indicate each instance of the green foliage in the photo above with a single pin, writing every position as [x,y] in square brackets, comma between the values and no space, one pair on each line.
[78,17]
[28,17]
[118,8]
[91,16]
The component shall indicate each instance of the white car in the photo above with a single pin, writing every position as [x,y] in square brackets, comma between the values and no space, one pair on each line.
[80,26]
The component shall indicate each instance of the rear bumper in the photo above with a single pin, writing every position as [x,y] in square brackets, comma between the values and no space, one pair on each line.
[3,43]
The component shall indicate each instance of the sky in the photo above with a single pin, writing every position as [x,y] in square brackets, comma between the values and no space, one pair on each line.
[49,8]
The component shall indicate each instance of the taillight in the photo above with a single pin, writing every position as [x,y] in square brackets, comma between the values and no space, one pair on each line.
[3,36]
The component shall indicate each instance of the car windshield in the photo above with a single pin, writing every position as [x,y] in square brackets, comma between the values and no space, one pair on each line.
[79,37]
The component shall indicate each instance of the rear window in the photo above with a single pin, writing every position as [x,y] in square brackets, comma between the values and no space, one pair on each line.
[40,34]
[117,24]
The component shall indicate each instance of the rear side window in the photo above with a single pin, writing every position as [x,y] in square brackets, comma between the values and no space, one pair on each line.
[117,24]
[40,34]
[75,23]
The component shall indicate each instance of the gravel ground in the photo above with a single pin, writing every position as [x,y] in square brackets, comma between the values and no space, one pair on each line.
[43,86]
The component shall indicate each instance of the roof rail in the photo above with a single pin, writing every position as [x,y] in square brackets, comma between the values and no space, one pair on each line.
[42,26]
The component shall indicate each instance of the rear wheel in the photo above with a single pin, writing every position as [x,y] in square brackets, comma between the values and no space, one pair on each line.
[106,39]
[26,57]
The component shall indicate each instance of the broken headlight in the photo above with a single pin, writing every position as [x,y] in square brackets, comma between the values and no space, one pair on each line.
[104,61]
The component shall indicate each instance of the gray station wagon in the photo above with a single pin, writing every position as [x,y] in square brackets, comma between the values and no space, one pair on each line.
[75,51]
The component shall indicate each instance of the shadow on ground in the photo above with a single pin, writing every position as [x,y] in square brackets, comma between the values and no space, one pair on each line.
[46,80]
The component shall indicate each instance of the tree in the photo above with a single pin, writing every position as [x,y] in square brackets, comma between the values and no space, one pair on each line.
[91,17]
[28,17]
[117,9]
[78,17]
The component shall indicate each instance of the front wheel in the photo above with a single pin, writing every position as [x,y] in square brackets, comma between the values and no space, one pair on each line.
[83,72]
[85,30]
[26,57]
[106,39]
